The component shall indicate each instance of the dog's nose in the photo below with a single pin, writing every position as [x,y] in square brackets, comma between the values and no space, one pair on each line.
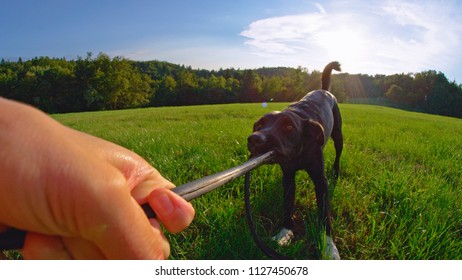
[256,140]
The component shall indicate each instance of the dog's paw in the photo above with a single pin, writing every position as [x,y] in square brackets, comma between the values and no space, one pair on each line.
[283,237]
[331,250]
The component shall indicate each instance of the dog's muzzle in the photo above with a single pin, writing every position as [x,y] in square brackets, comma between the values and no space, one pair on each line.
[260,143]
[256,143]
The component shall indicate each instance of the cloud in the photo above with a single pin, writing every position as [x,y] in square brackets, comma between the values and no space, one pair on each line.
[377,37]
[284,35]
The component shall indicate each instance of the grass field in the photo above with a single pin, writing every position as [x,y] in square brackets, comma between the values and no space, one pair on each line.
[398,196]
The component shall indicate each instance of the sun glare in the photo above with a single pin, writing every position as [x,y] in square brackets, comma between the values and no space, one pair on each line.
[345,45]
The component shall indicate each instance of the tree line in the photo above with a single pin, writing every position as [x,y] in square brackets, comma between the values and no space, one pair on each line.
[102,83]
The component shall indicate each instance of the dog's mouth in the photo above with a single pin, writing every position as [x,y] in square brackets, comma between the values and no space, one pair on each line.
[272,160]
[259,144]
[277,157]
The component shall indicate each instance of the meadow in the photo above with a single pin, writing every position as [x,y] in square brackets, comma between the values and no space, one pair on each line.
[398,195]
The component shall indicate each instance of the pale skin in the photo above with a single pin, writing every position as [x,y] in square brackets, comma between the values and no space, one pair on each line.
[77,195]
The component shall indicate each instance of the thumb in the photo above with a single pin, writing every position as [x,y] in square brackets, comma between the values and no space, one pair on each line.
[172,211]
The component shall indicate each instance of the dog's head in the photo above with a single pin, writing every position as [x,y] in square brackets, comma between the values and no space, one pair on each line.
[286,133]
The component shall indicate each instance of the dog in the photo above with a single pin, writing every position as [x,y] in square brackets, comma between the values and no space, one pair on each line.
[298,136]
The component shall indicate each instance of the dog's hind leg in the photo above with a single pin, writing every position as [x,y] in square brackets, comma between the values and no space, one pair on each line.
[337,136]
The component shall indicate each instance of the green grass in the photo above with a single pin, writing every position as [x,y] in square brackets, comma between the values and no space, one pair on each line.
[398,196]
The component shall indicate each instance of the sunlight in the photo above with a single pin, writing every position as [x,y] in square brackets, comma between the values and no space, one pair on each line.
[347,46]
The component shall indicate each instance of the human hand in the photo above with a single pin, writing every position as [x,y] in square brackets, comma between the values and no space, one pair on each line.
[78,196]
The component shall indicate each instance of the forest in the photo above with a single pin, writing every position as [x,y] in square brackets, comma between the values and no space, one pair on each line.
[92,83]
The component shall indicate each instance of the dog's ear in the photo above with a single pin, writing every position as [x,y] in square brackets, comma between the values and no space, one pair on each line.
[315,131]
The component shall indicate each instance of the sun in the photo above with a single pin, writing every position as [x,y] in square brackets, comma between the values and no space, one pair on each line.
[345,45]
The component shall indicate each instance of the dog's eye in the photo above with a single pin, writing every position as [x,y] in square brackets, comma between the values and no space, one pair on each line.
[289,127]
[258,126]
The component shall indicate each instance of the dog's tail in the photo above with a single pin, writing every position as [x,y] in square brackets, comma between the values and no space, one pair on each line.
[327,72]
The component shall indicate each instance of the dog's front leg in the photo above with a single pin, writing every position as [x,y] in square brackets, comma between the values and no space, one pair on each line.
[288,184]
[322,199]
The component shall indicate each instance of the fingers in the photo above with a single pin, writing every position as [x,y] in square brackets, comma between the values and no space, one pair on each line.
[110,216]
[80,249]
[122,231]
[153,180]
[45,247]
[172,211]
[48,247]
[116,243]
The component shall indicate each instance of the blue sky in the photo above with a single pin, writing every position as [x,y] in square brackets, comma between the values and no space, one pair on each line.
[371,37]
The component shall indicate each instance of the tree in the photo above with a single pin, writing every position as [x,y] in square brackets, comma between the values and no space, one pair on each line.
[337,88]
[441,97]
[423,86]
[251,87]
[273,88]
[117,84]
[214,89]
[166,94]
[395,93]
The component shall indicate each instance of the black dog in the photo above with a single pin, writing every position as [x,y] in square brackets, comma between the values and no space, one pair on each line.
[298,135]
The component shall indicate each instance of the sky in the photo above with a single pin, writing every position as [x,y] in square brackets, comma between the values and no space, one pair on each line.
[369,37]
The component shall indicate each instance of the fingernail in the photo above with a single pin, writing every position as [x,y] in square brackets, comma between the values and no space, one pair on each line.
[163,206]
